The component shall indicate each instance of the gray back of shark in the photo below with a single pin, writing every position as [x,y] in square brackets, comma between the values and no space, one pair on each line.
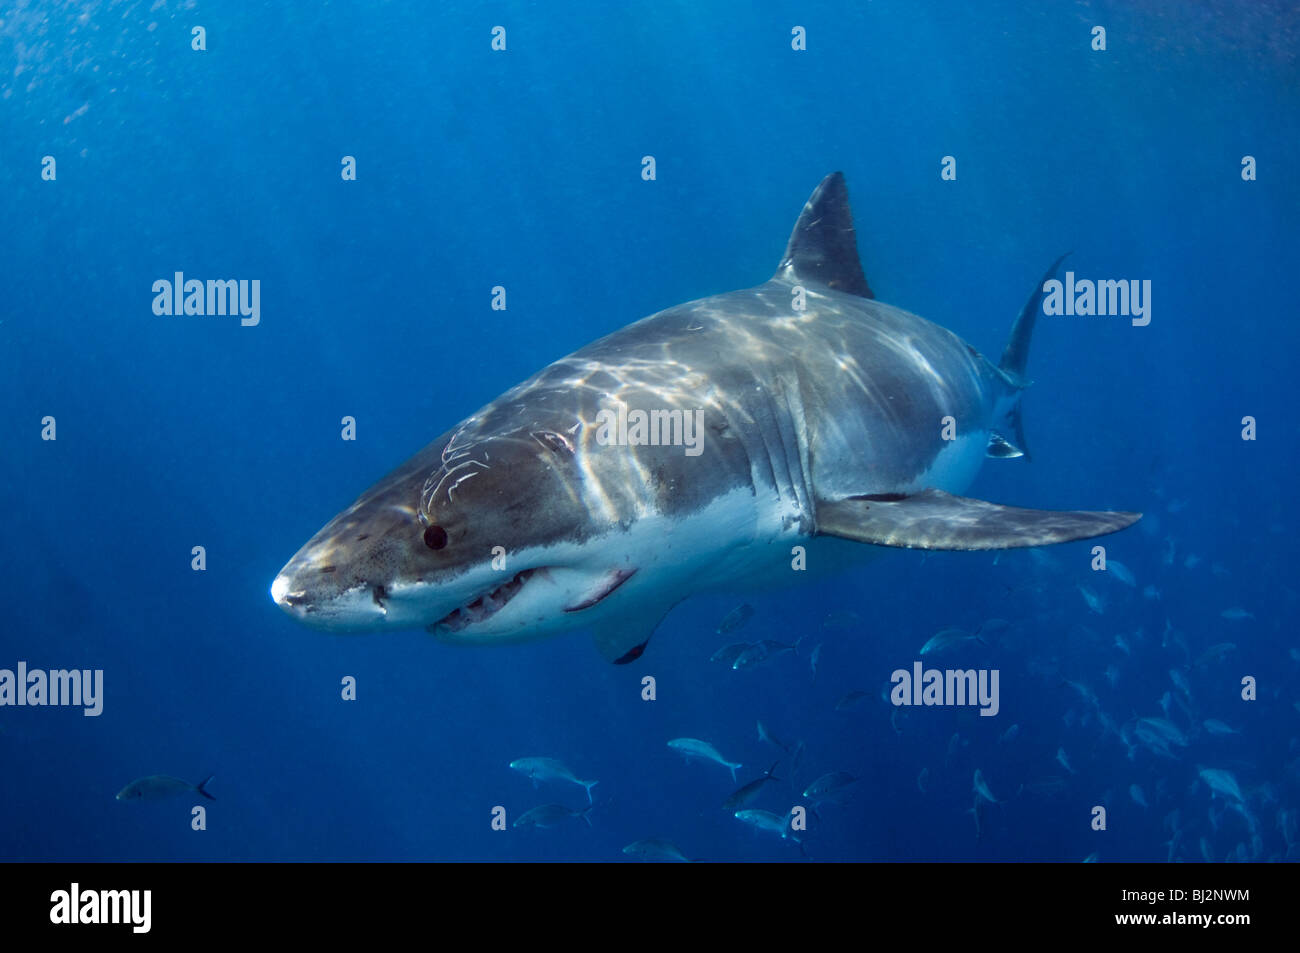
[690,451]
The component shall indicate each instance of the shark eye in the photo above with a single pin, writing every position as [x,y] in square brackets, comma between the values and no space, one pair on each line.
[435,537]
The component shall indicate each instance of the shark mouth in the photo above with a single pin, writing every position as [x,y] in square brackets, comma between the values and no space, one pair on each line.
[484,607]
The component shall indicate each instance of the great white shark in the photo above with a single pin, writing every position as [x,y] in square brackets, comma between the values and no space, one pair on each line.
[585,498]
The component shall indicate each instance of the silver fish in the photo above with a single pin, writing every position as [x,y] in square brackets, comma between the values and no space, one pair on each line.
[1222,783]
[1180,682]
[946,639]
[735,619]
[745,794]
[981,788]
[765,735]
[158,786]
[548,769]
[1140,799]
[842,620]
[550,815]
[1236,614]
[656,849]
[1216,727]
[729,653]
[760,652]
[1063,760]
[1094,601]
[850,700]
[1216,652]
[693,748]
[767,821]
[1121,572]
[829,785]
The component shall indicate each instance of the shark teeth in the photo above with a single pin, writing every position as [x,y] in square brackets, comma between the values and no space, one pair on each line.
[484,606]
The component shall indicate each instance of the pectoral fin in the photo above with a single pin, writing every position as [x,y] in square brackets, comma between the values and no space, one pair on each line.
[932,519]
[623,640]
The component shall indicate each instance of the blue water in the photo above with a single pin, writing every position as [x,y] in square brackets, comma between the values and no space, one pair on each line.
[522,169]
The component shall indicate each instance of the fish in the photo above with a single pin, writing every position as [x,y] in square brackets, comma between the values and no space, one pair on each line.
[981,789]
[813,658]
[830,786]
[1139,798]
[1222,783]
[1216,653]
[1159,736]
[841,620]
[1049,785]
[735,619]
[945,639]
[1094,601]
[551,815]
[745,794]
[548,769]
[1149,591]
[1236,614]
[765,735]
[1084,692]
[656,849]
[1120,572]
[801,412]
[1219,728]
[760,652]
[923,780]
[767,821]
[850,700]
[798,757]
[1009,735]
[1180,682]
[158,786]
[693,748]
[1063,760]
[728,654]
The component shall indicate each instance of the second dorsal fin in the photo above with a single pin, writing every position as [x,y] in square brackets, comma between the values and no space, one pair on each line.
[823,247]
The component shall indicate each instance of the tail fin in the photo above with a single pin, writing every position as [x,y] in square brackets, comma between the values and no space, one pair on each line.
[586,815]
[1016,356]
[202,788]
[589,785]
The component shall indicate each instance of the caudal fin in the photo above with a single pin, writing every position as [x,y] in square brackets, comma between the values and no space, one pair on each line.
[589,785]
[1015,360]
[202,788]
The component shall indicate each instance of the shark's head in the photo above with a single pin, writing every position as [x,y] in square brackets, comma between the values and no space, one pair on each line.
[478,540]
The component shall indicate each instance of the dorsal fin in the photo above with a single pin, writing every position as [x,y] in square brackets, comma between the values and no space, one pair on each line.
[823,247]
